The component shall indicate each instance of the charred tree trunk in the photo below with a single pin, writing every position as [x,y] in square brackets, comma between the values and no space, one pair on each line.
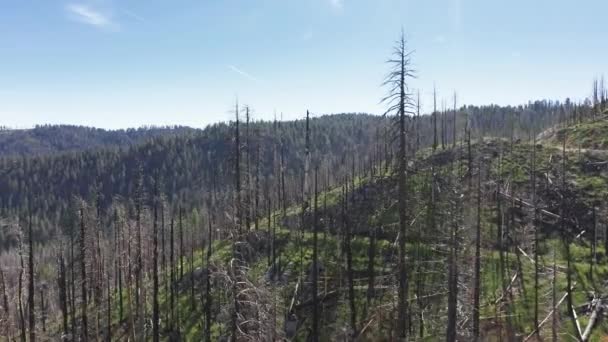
[477,285]
[155,309]
[61,283]
[83,274]
[208,297]
[349,263]
[139,319]
[172,273]
[536,238]
[315,267]
[30,289]
[454,124]
[434,119]
[22,326]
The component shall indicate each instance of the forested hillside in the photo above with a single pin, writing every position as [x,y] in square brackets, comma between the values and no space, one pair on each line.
[46,139]
[191,169]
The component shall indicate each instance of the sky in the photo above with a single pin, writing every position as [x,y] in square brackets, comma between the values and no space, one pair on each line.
[128,63]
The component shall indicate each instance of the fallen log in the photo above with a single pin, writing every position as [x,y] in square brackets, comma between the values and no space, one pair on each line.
[598,307]
[549,315]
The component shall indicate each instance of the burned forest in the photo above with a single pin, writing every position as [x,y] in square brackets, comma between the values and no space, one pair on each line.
[440,222]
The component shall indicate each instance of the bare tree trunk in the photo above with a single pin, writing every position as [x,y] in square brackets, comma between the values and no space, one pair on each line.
[155,309]
[108,304]
[43,312]
[477,281]
[566,241]
[452,285]
[73,278]
[239,230]
[402,72]
[371,259]
[83,274]
[30,296]
[554,301]
[434,118]
[349,263]
[536,237]
[119,238]
[139,319]
[5,305]
[172,271]
[315,267]
[208,298]
[454,123]
[181,243]
[20,293]
[593,259]
[61,283]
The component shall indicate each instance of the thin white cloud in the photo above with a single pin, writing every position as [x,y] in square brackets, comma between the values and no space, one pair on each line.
[243,73]
[337,4]
[87,15]
[515,54]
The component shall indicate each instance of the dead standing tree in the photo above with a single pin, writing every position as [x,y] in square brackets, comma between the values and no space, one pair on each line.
[400,104]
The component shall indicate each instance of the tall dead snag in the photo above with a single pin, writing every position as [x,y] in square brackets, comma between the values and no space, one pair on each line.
[234,264]
[208,302]
[593,259]
[248,191]
[477,280]
[163,255]
[315,267]
[61,285]
[172,272]
[139,319]
[7,312]
[237,170]
[371,272]
[536,236]
[181,242]
[155,310]
[454,117]
[305,196]
[566,241]
[83,274]
[109,301]
[452,263]
[399,101]
[256,194]
[554,301]
[349,262]
[417,124]
[30,288]
[72,292]
[22,326]
[443,125]
[118,261]
[434,118]
[96,261]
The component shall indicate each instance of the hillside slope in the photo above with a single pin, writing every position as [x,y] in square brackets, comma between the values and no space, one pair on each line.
[278,256]
[47,139]
[191,169]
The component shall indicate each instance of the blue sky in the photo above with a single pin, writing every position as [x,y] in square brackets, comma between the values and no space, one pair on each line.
[125,63]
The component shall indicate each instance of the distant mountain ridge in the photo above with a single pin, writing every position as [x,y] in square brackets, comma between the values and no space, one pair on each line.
[48,139]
